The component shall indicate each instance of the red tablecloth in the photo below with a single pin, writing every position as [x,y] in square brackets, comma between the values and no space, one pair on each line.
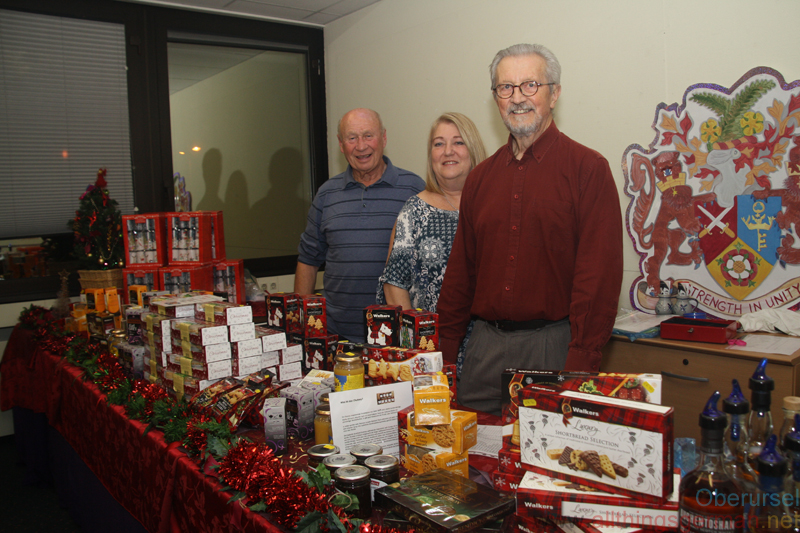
[157,483]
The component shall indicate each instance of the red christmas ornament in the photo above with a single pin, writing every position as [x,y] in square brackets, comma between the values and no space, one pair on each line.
[101,179]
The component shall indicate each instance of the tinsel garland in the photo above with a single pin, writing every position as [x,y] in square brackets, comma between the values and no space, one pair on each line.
[251,469]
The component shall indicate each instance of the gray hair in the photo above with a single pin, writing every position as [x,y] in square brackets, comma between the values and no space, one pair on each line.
[552,68]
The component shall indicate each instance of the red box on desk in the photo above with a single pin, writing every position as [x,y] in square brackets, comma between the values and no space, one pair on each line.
[313,315]
[177,279]
[618,446]
[282,309]
[144,239]
[146,275]
[229,278]
[188,238]
[697,329]
[217,234]
[382,325]
[419,329]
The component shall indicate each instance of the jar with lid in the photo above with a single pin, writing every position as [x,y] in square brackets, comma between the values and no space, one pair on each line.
[362,451]
[348,372]
[339,460]
[383,470]
[318,452]
[115,338]
[355,480]
[323,433]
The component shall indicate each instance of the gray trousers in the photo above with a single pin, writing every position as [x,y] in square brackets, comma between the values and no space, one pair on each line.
[490,351]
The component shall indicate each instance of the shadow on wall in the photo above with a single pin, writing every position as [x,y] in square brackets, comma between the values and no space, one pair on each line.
[272,226]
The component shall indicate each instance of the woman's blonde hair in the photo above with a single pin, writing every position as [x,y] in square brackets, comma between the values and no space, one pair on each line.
[472,139]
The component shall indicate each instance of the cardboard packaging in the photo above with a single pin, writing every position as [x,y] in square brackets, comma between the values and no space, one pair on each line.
[282,309]
[540,496]
[223,313]
[210,353]
[139,276]
[276,431]
[199,333]
[144,239]
[699,330]
[199,370]
[313,315]
[618,446]
[419,329]
[392,364]
[320,352]
[188,238]
[457,437]
[382,325]
[272,339]
[177,279]
[229,279]
[421,460]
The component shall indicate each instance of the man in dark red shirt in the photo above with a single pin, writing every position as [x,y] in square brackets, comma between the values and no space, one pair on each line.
[537,258]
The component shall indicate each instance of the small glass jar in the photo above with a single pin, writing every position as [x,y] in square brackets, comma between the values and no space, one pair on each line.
[339,460]
[362,451]
[383,470]
[348,372]
[323,433]
[318,452]
[355,480]
[115,338]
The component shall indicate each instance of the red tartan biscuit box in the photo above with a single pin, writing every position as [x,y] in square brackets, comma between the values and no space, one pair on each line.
[541,496]
[282,309]
[392,364]
[419,329]
[382,325]
[545,525]
[320,352]
[506,481]
[619,446]
[313,319]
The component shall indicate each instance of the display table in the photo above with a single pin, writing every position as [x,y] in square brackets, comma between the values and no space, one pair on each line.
[154,481]
[692,371]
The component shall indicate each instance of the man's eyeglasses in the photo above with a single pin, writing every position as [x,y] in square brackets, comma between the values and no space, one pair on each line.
[527,88]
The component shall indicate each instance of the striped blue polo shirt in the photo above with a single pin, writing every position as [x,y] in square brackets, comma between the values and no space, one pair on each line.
[348,229]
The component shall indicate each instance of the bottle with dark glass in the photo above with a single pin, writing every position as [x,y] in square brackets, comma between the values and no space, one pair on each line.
[791,407]
[709,499]
[759,423]
[736,408]
[791,444]
[767,513]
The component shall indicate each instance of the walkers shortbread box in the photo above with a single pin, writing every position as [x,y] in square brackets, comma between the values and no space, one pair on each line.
[619,446]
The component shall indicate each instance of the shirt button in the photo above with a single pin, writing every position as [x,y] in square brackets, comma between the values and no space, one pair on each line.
[516,197]
[512,257]
[521,167]
[508,288]
[514,228]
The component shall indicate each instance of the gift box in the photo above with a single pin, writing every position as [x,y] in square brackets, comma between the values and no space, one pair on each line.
[299,411]
[272,339]
[284,311]
[188,386]
[431,399]
[134,325]
[246,365]
[392,364]
[198,332]
[179,279]
[458,436]
[293,353]
[229,279]
[144,239]
[131,357]
[320,352]
[205,354]
[241,332]
[188,238]
[697,329]
[247,348]
[224,313]
[198,369]
[313,316]
[140,276]
[289,372]
[419,329]
[94,299]
[217,234]
[420,460]
[382,325]
[506,481]
[179,307]
[619,446]
[275,424]
[540,496]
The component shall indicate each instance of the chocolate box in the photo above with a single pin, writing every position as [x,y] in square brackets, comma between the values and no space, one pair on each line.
[619,446]
[419,329]
[199,370]
[300,411]
[198,332]
[203,354]
[224,313]
[241,332]
[281,310]
[272,339]
[248,348]
[313,316]
[506,481]
[540,496]
[244,366]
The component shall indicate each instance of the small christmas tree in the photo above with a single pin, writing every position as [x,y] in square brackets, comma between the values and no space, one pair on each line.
[98,228]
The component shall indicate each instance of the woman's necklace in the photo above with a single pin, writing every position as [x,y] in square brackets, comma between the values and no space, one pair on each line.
[446,199]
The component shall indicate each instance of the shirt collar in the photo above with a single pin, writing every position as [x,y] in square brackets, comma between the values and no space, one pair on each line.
[390,176]
[538,149]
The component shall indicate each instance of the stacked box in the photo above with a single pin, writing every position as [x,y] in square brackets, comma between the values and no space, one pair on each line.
[299,411]
[215,221]
[188,238]
[382,325]
[458,436]
[276,432]
[131,357]
[134,325]
[224,313]
[313,316]
[320,352]
[229,279]
[272,339]
[619,446]
[421,460]
[389,365]
[198,332]
[283,311]
[144,239]
[180,307]
[176,279]
[419,329]
[140,276]
[209,353]
[198,369]
[241,332]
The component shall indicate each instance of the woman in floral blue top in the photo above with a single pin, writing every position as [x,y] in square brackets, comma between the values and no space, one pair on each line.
[425,228]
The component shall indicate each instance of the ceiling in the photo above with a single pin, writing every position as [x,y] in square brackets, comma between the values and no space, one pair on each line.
[311,12]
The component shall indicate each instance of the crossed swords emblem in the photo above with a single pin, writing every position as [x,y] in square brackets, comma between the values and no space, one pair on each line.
[716,222]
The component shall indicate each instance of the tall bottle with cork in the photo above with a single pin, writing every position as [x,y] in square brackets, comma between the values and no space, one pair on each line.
[767,513]
[737,409]
[709,499]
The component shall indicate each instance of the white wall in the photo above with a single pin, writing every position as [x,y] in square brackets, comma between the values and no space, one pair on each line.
[412,59]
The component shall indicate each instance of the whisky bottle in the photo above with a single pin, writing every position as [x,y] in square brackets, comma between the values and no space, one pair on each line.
[759,423]
[708,498]
[736,407]
[767,513]
[791,444]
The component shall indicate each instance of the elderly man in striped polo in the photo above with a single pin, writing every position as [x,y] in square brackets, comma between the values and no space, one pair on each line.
[350,223]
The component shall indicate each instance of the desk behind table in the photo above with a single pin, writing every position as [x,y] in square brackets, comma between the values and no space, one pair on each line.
[692,371]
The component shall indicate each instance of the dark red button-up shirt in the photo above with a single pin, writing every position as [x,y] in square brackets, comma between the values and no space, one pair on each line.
[538,238]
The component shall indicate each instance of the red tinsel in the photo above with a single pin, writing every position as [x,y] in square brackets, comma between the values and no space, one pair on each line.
[196,438]
[151,393]
[110,372]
